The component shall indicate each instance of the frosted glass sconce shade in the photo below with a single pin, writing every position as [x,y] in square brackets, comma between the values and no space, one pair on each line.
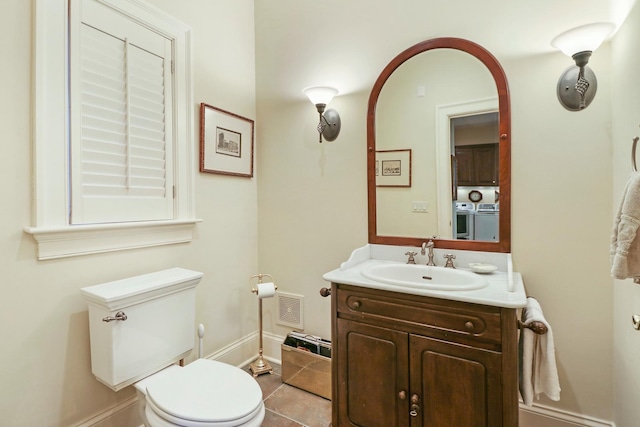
[329,125]
[584,38]
[320,94]
[577,86]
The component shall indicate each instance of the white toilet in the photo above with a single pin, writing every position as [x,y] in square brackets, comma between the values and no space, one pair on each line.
[139,328]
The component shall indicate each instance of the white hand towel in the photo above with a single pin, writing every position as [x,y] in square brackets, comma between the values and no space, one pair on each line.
[625,246]
[538,371]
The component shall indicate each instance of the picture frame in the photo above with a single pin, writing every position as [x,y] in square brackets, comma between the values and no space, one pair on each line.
[393,168]
[226,142]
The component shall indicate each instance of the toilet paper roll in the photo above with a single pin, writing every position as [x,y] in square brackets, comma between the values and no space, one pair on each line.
[266,290]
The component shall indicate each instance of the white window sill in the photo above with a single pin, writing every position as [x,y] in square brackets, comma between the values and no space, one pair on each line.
[61,242]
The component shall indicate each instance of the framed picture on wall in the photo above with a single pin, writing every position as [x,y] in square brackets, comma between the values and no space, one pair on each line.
[226,142]
[393,168]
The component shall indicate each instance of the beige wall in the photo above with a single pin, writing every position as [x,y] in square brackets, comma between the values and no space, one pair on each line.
[626,118]
[308,209]
[313,204]
[44,362]
[560,227]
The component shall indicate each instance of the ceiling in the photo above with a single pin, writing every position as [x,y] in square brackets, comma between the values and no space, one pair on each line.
[346,43]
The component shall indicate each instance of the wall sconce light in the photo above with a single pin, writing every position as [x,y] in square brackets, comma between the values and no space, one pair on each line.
[329,125]
[577,85]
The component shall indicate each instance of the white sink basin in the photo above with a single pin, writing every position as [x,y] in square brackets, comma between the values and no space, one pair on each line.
[424,277]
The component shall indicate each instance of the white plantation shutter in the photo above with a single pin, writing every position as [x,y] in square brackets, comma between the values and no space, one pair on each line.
[122,145]
[103,148]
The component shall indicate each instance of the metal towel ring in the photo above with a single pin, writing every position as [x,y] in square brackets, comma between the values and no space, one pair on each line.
[633,154]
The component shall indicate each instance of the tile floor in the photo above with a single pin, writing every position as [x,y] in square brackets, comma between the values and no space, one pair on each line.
[288,406]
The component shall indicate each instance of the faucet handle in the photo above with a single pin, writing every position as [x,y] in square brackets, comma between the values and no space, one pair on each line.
[449,263]
[411,255]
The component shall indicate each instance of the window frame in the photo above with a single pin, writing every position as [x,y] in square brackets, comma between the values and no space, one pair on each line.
[51,228]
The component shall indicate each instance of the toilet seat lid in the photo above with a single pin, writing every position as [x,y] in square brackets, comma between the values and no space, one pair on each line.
[206,391]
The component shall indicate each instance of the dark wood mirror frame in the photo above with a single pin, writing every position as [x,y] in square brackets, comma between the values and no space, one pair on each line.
[504,117]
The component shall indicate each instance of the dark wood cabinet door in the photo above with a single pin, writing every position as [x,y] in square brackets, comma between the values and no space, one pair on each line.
[372,374]
[485,158]
[465,166]
[402,361]
[456,385]
[477,164]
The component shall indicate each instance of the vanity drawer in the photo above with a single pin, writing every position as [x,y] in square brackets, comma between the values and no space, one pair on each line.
[451,320]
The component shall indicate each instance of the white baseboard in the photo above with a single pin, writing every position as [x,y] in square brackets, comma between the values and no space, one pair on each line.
[245,350]
[545,416]
[271,347]
[239,353]
[125,410]
[530,416]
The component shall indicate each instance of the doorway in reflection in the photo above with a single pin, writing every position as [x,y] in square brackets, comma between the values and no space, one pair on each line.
[476,186]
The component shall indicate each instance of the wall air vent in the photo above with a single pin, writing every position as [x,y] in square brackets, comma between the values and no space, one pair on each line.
[290,310]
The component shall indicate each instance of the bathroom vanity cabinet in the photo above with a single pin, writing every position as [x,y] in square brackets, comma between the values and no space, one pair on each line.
[407,360]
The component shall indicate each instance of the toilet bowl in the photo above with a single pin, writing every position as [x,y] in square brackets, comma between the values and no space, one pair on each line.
[140,327]
[203,393]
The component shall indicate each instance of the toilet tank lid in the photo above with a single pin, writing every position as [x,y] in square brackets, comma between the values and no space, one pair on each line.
[132,290]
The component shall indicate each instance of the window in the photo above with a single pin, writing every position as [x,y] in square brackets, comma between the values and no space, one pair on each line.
[114,168]
[121,141]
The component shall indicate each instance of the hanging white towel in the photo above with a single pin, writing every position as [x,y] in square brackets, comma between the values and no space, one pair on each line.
[625,246]
[538,371]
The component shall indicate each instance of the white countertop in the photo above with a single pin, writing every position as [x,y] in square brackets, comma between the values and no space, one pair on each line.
[505,289]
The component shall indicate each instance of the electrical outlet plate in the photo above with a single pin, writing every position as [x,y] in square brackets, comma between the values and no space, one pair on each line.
[420,206]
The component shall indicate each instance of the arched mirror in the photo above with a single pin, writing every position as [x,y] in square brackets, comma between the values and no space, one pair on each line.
[438,149]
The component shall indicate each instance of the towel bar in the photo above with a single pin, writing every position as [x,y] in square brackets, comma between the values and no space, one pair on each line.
[633,154]
[537,327]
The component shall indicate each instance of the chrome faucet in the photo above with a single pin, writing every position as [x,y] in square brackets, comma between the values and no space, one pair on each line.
[429,245]
[411,255]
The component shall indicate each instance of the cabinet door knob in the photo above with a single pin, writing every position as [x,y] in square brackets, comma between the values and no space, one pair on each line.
[402,395]
[325,292]
[414,410]
[415,399]
[356,304]
[469,325]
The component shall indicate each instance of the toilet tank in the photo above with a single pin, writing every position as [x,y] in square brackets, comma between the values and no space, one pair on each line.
[158,330]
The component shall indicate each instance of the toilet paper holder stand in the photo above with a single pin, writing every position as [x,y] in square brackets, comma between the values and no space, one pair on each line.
[260,366]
